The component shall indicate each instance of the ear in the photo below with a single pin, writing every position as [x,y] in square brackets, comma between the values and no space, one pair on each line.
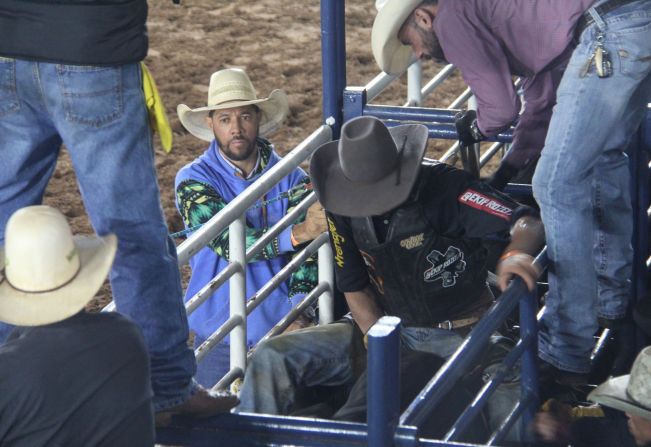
[208,122]
[424,18]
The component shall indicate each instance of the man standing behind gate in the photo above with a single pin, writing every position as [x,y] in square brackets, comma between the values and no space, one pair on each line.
[582,179]
[70,73]
[237,157]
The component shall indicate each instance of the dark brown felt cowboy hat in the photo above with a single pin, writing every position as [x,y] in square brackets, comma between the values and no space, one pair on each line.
[370,170]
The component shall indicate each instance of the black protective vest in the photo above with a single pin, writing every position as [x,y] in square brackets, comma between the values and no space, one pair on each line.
[76,32]
[420,276]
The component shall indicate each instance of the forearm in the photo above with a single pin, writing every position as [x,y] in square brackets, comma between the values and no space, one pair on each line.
[363,306]
[527,236]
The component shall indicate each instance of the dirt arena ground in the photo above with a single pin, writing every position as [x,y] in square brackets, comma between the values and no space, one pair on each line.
[277,42]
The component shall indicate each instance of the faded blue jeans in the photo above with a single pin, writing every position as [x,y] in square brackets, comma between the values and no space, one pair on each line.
[99,114]
[328,355]
[582,184]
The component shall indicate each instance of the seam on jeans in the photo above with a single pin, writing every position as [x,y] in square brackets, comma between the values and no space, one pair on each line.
[12,91]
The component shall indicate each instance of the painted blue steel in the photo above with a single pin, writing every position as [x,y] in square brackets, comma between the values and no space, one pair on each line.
[469,414]
[445,131]
[383,386]
[529,372]
[467,354]
[354,102]
[254,430]
[333,60]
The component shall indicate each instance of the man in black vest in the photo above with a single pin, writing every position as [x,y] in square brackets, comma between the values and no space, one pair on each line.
[409,240]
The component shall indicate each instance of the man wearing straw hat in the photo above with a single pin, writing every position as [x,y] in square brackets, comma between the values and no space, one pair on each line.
[408,240]
[233,122]
[589,61]
[67,377]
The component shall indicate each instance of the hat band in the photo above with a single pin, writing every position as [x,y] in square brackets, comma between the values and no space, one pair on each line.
[630,396]
[4,278]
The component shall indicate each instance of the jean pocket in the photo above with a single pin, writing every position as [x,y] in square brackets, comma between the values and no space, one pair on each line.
[91,95]
[633,48]
[8,94]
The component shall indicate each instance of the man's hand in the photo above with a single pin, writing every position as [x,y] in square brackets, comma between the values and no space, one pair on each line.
[517,263]
[467,129]
[313,225]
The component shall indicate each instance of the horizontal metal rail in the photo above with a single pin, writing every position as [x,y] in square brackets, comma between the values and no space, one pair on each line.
[256,299]
[378,84]
[280,277]
[206,292]
[241,203]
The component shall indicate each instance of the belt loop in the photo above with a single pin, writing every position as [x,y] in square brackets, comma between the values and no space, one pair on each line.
[601,25]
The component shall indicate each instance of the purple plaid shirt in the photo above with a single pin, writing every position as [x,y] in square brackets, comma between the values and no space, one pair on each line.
[492,40]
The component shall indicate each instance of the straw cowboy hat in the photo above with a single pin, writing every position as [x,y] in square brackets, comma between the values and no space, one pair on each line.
[231,88]
[390,54]
[370,170]
[47,275]
[630,393]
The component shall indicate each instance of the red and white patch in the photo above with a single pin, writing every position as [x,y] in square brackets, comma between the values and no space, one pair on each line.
[486,204]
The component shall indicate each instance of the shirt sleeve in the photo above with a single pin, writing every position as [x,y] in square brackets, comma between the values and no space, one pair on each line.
[484,67]
[539,93]
[198,202]
[350,270]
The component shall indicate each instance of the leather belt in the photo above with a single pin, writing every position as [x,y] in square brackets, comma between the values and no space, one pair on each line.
[586,19]
[456,324]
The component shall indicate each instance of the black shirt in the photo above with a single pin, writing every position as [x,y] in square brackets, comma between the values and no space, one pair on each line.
[76,32]
[456,205]
[83,381]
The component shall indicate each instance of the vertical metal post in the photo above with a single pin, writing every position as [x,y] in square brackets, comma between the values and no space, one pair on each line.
[326,274]
[333,61]
[383,387]
[529,376]
[237,285]
[414,83]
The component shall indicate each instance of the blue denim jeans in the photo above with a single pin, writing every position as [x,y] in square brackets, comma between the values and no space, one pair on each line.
[327,355]
[582,185]
[99,114]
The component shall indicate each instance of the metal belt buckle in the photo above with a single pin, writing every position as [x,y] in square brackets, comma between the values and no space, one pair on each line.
[443,324]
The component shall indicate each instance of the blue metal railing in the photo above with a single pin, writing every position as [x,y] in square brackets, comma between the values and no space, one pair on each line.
[384,428]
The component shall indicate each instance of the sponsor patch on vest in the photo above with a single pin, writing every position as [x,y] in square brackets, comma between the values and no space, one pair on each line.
[337,240]
[486,204]
[446,267]
[413,241]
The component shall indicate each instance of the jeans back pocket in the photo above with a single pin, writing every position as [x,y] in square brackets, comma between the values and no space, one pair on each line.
[8,94]
[91,95]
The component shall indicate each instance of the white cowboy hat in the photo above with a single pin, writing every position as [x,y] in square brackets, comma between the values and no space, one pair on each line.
[231,88]
[371,169]
[390,54]
[47,275]
[630,393]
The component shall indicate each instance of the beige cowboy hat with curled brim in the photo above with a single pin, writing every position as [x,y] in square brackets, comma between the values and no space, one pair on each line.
[47,275]
[630,393]
[390,54]
[230,88]
[371,169]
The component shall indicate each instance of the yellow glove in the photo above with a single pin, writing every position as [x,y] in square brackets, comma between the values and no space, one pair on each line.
[157,116]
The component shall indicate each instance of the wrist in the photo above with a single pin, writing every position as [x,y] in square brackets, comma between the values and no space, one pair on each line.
[292,237]
[507,254]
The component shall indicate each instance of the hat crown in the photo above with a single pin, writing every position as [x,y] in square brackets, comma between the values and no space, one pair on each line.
[229,85]
[40,253]
[367,150]
[639,383]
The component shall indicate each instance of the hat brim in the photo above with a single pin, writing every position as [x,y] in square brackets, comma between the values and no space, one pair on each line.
[390,54]
[344,197]
[612,393]
[34,309]
[274,109]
